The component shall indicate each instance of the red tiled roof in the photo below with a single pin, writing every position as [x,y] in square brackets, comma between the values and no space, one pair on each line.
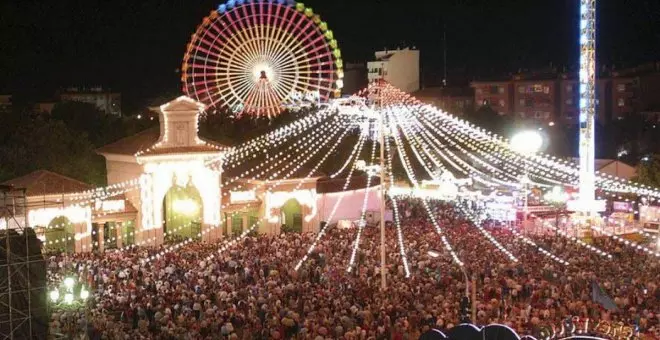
[44,182]
[132,144]
[144,140]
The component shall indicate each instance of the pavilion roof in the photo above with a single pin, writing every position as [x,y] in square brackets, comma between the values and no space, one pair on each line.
[130,145]
[143,143]
[44,182]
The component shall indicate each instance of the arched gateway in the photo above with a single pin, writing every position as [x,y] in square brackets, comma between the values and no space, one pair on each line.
[179,193]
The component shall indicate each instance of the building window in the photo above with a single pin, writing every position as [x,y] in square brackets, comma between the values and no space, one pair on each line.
[569,101]
[502,102]
[500,89]
[521,89]
[621,87]
[522,102]
[494,89]
[569,88]
[478,90]
[621,102]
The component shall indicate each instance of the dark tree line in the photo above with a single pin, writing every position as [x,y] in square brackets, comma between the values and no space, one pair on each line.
[63,141]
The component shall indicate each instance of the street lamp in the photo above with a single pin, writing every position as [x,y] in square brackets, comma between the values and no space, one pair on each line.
[69,294]
[527,143]
[557,197]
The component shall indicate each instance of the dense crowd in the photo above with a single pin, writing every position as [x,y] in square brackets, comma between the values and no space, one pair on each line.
[252,290]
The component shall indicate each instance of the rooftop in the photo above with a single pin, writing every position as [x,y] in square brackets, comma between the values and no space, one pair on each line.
[44,182]
[444,92]
[130,145]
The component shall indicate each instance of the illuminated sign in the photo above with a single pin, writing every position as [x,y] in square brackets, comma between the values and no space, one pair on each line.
[576,325]
[578,205]
[622,206]
[242,196]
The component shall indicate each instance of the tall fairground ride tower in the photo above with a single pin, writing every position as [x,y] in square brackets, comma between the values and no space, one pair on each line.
[587,203]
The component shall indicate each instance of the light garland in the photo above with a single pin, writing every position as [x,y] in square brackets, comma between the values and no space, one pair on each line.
[534,245]
[626,242]
[575,239]
[276,137]
[356,150]
[397,220]
[477,223]
[411,175]
[323,230]
[246,232]
[362,223]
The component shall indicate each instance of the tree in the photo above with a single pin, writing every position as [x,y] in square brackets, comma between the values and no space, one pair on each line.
[100,127]
[648,172]
[35,141]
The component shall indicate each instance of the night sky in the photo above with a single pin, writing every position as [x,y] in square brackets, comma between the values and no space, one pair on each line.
[136,46]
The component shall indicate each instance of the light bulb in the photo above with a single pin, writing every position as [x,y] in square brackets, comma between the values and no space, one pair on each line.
[54,295]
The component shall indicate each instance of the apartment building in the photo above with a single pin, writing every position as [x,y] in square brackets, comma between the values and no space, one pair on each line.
[398,67]
[536,99]
[496,94]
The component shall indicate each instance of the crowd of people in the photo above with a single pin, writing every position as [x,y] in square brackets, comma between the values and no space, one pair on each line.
[252,290]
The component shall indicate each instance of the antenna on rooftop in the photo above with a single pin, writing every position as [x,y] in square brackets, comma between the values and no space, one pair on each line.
[444,49]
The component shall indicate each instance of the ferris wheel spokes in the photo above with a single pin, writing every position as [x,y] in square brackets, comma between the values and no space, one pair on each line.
[255,56]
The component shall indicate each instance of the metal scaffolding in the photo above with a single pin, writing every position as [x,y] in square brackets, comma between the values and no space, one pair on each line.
[23,309]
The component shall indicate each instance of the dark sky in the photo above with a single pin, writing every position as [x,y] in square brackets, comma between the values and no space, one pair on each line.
[135,46]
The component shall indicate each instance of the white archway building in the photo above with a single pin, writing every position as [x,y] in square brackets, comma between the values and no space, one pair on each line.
[178,157]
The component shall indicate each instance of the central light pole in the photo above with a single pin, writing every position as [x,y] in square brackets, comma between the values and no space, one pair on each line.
[557,197]
[383,268]
[526,143]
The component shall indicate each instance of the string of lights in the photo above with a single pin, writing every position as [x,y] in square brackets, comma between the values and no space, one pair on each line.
[477,222]
[625,242]
[363,222]
[226,245]
[533,244]
[323,230]
[278,136]
[356,150]
[395,208]
[403,157]
[572,238]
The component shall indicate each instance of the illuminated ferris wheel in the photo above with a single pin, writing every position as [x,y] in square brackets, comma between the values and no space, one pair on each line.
[255,57]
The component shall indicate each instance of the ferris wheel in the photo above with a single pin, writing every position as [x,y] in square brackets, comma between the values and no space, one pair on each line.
[255,56]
